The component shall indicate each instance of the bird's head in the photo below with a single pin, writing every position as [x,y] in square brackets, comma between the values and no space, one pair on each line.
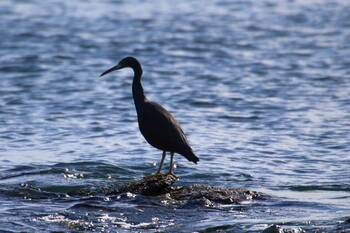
[125,62]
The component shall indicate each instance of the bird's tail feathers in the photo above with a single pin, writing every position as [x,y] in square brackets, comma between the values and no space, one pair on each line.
[191,156]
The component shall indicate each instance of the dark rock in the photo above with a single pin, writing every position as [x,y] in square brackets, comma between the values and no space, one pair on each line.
[216,195]
[161,185]
[155,185]
[152,185]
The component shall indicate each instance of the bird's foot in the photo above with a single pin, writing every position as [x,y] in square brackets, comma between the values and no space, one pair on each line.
[171,174]
[166,174]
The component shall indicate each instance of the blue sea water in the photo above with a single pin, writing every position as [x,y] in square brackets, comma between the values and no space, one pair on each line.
[261,88]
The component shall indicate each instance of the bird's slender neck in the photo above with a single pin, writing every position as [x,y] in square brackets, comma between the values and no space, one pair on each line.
[137,89]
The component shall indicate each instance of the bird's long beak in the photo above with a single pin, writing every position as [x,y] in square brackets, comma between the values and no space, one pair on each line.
[117,67]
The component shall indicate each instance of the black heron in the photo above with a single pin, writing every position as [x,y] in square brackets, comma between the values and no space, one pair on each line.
[157,125]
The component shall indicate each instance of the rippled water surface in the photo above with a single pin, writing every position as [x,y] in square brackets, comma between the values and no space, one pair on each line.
[261,88]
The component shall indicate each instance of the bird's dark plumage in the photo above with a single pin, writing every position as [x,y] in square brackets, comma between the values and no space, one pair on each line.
[156,124]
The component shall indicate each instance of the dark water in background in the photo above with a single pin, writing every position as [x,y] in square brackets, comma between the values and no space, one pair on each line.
[262,89]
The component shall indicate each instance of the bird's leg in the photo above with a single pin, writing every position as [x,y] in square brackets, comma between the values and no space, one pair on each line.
[161,162]
[170,172]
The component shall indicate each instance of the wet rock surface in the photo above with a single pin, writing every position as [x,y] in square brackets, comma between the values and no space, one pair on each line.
[152,185]
[155,185]
[209,194]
